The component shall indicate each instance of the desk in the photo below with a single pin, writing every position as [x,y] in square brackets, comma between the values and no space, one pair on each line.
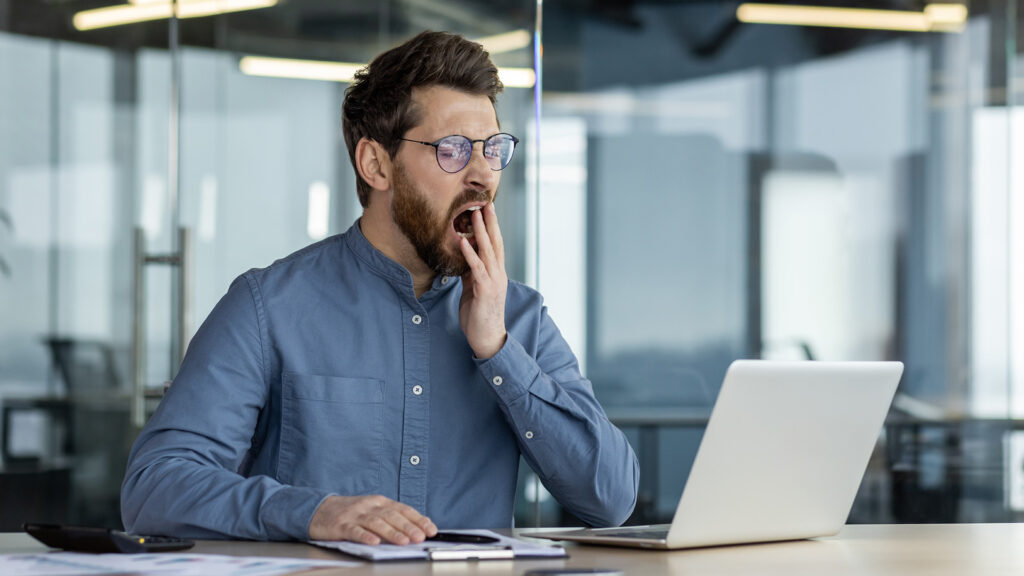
[869,550]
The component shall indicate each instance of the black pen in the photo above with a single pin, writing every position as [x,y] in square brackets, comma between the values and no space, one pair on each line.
[462,538]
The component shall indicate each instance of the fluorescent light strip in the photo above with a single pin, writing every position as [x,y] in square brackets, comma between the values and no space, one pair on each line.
[300,69]
[934,17]
[517,77]
[946,17]
[507,42]
[946,13]
[147,10]
[346,71]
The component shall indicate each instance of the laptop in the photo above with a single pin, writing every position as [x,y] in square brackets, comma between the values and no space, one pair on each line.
[782,457]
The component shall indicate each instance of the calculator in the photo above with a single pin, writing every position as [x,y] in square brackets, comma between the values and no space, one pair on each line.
[100,540]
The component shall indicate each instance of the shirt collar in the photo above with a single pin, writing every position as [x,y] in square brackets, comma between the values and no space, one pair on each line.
[394,272]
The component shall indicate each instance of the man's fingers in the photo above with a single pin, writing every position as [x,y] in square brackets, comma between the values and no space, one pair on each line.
[476,265]
[397,519]
[494,231]
[357,533]
[428,527]
[369,520]
[381,527]
[483,239]
[417,519]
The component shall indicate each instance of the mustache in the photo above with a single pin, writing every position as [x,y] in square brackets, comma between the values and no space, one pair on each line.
[469,195]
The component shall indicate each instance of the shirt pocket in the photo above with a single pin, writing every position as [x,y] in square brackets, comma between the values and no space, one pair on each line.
[332,433]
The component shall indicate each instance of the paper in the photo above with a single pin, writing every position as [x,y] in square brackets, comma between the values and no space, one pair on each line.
[177,564]
[381,552]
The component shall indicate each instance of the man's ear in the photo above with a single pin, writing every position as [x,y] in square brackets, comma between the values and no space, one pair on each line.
[374,164]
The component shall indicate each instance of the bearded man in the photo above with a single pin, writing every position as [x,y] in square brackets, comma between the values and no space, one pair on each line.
[384,382]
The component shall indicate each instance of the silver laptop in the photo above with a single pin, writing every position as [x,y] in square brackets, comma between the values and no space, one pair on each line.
[781,459]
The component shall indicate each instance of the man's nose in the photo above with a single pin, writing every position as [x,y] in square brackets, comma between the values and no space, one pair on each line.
[478,170]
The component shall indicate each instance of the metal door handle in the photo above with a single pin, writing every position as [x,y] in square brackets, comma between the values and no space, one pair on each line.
[182,259]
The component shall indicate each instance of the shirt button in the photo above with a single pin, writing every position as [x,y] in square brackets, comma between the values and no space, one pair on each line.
[444,280]
[415,460]
[497,380]
[417,319]
[417,389]
[529,434]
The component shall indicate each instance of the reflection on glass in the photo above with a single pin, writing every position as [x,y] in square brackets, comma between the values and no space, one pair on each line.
[798,191]
[255,167]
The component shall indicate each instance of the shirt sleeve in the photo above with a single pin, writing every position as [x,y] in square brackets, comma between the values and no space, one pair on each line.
[564,434]
[184,471]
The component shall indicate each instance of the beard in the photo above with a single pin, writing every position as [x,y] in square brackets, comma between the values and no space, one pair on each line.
[427,231]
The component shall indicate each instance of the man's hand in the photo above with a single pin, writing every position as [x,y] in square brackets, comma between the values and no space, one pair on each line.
[369,520]
[482,308]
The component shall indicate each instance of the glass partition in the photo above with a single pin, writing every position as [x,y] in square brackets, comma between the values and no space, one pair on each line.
[142,168]
[72,145]
[784,191]
[701,188]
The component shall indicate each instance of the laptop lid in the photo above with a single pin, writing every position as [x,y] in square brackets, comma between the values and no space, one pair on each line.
[784,451]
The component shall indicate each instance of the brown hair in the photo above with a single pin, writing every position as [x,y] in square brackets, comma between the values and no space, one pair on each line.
[378,103]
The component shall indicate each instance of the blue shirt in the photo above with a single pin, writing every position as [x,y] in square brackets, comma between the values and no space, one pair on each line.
[324,374]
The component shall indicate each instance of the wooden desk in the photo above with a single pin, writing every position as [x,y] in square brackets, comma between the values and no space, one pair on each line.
[868,550]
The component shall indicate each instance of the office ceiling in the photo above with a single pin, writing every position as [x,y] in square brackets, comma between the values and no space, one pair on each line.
[356,30]
[306,28]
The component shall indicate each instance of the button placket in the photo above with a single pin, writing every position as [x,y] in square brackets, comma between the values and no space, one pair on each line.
[412,476]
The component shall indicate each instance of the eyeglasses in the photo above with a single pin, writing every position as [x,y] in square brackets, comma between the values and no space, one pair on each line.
[453,152]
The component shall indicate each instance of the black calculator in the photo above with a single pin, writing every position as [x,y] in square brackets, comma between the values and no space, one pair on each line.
[101,540]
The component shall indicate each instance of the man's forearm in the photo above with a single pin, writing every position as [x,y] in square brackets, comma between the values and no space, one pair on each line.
[582,458]
[175,495]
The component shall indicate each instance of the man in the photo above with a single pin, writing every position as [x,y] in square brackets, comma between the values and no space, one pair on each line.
[384,382]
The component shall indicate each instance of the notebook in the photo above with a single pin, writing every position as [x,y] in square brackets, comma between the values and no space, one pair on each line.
[495,547]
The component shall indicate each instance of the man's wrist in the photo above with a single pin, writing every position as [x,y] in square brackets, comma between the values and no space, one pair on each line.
[488,352]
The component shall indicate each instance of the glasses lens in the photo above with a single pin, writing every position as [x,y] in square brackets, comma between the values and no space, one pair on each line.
[453,153]
[498,150]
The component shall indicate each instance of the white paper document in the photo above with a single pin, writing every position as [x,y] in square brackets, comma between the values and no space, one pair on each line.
[503,547]
[170,564]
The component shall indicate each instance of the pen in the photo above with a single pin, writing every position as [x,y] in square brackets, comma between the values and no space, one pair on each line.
[462,538]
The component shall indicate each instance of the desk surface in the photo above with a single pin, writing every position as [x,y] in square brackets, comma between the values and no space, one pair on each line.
[875,550]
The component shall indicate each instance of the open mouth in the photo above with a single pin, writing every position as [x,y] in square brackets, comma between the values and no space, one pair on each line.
[463,223]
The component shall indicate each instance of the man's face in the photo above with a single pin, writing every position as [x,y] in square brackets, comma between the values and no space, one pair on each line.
[427,200]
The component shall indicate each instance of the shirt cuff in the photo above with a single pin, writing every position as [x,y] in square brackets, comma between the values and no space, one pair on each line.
[510,372]
[288,513]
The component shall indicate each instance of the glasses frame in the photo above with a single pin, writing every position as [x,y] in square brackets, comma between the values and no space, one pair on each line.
[472,144]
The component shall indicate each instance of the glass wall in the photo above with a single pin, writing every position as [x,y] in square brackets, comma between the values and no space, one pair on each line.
[792,192]
[697,190]
[143,167]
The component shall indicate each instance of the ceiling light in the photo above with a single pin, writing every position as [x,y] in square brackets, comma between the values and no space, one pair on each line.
[946,17]
[935,17]
[146,10]
[506,42]
[517,77]
[346,71]
[302,69]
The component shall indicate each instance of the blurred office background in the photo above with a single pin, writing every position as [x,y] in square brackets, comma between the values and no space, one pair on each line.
[694,186]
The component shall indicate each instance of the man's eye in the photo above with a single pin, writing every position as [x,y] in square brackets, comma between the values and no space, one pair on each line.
[453,152]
